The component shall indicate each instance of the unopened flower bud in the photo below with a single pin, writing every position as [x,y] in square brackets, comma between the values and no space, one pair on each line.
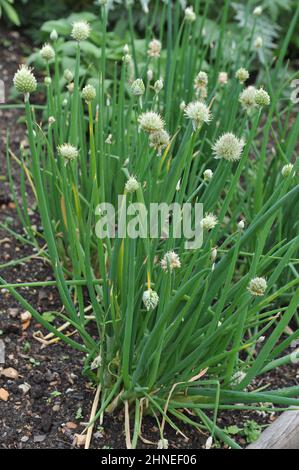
[149,75]
[54,35]
[68,75]
[208,175]
[158,85]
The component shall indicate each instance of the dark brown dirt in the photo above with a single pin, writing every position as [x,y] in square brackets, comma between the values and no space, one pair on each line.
[50,400]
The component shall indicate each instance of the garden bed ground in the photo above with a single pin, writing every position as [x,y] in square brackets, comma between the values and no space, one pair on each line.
[57,404]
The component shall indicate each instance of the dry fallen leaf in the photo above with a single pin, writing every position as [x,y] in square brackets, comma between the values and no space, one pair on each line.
[4,394]
[79,440]
[71,425]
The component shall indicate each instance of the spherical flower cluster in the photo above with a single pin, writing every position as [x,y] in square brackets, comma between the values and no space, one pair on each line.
[24,80]
[209,221]
[242,75]
[151,121]
[150,299]
[154,48]
[229,147]
[88,93]
[132,185]
[248,98]
[170,261]
[137,87]
[207,175]
[199,114]
[262,98]
[68,151]
[287,170]
[159,140]
[257,286]
[223,78]
[190,15]
[80,31]
[68,75]
[47,52]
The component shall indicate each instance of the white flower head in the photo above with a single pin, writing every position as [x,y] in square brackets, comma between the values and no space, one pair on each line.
[207,174]
[132,184]
[154,48]
[80,31]
[287,170]
[229,147]
[137,87]
[47,52]
[190,15]
[209,221]
[199,114]
[242,75]
[88,93]
[223,78]
[151,121]
[248,98]
[24,80]
[68,152]
[170,261]
[159,140]
[262,98]
[150,299]
[257,286]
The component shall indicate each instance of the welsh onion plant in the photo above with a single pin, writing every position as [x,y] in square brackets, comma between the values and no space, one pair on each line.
[174,332]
